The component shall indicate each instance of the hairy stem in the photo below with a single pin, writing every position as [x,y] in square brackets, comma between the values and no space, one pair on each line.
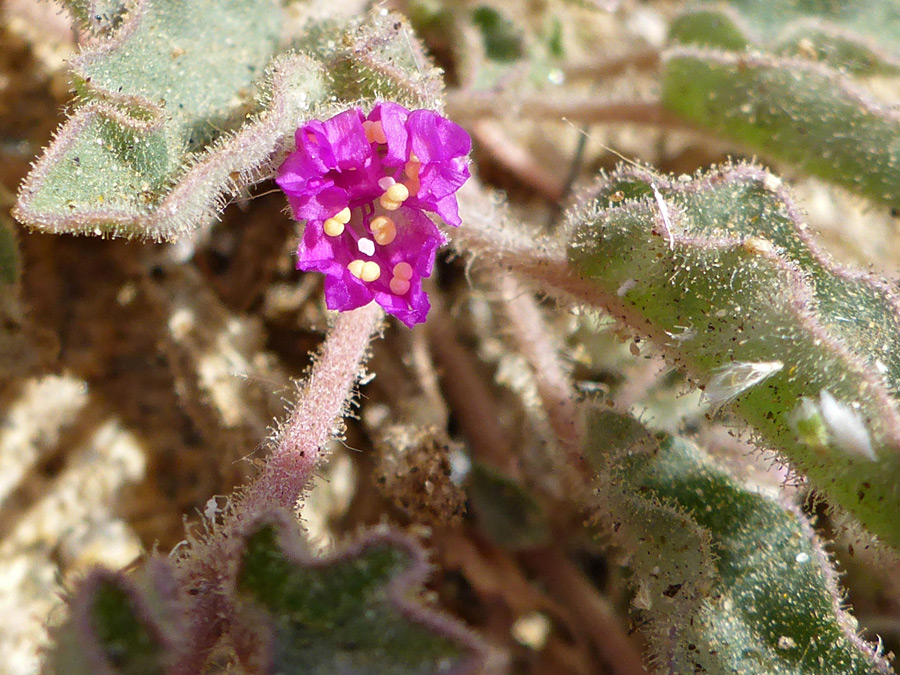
[301,444]
[534,342]
[599,69]
[209,563]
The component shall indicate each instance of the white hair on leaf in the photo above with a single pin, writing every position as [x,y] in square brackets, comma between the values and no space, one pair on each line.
[827,421]
[845,425]
[733,379]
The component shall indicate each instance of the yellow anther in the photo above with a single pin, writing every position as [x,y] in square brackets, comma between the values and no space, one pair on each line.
[398,192]
[399,286]
[388,204]
[343,216]
[333,227]
[374,132]
[356,268]
[384,231]
[370,271]
[403,270]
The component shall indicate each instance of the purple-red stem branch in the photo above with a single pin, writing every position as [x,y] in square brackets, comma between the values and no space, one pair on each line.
[210,564]
[536,345]
[303,439]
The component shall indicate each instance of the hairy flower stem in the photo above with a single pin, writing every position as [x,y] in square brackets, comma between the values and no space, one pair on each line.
[605,68]
[496,243]
[302,441]
[210,562]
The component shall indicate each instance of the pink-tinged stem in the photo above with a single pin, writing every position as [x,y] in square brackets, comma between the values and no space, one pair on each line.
[535,343]
[209,564]
[303,439]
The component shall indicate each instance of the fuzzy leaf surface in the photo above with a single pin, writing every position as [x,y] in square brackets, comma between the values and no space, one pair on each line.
[721,272]
[857,37]
[791,109]
[354,612]
[120,626]
[169,123]
[732,580]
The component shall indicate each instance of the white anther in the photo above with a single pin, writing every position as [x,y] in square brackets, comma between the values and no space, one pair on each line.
[366,246]
[386,182]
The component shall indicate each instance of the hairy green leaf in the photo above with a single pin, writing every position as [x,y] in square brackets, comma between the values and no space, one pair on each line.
[721,271]
[170,124]
[730,579]
[791,109]
[120,626]
[351,612]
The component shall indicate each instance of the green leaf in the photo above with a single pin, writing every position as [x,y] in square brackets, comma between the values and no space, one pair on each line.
[730,579]
[96,16]
[170,125]
[710,27]
[354,611]
[120,626]
[722,273]
[377,56]
[787,78]
[878,20]
[856,37]
[793,110]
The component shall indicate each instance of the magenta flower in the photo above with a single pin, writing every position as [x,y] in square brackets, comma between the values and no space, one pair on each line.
[363,184]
